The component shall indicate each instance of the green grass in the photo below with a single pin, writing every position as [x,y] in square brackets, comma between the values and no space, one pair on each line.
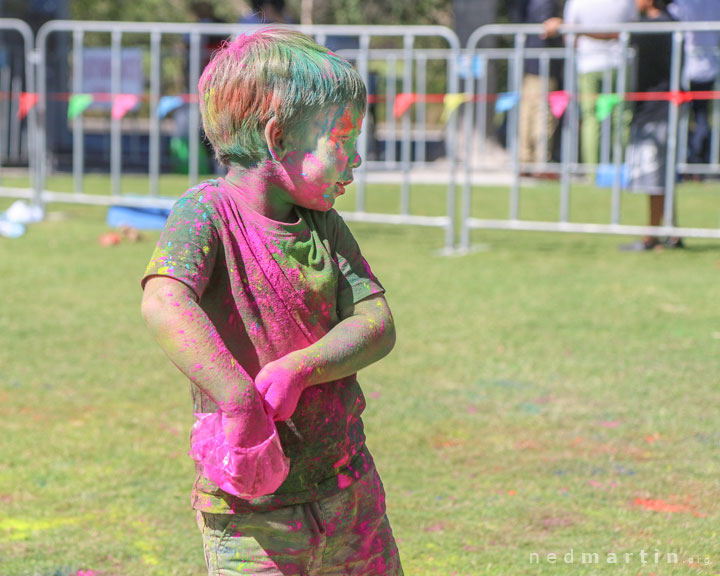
[537,392]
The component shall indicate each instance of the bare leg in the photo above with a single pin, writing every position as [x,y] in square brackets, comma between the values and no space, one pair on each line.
[657,207]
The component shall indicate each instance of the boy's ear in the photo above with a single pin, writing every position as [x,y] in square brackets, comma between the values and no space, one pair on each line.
[275,139]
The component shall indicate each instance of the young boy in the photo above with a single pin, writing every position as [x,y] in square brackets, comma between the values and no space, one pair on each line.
[258,293]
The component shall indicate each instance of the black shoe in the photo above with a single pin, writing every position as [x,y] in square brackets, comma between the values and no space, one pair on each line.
[640,246]
[674,243]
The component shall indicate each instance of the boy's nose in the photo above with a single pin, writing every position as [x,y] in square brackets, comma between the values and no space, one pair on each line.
[356,161]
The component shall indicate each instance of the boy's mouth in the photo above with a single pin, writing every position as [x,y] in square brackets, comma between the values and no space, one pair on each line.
[341,186]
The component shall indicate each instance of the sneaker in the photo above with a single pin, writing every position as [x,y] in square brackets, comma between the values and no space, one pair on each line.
[674,243]
[640,245]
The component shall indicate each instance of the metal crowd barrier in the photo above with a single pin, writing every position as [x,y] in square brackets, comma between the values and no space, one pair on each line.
[423,63]
[412,59]
[475,122]
[18,119]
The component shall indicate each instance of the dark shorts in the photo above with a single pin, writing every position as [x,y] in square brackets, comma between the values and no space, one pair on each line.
[646,154]
[347,534]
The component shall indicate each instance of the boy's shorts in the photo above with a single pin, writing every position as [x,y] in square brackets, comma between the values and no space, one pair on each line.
[347,534]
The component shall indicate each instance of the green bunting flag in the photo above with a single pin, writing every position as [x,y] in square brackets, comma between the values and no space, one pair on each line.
[78,103]
[605,104]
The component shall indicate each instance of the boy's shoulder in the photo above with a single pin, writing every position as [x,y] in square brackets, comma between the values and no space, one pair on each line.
[207,192]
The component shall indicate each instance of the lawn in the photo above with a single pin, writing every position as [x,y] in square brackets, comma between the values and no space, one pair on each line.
[548,396]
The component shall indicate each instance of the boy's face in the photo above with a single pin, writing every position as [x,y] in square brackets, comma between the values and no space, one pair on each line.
[322,156]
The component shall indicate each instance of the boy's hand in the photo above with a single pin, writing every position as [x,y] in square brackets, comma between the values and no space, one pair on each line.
[551,27]
[248,429]
[280,383]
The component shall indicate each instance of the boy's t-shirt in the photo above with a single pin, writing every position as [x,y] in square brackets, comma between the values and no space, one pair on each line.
[270,288]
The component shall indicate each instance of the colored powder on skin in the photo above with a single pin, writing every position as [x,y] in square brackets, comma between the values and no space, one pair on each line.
[344,481]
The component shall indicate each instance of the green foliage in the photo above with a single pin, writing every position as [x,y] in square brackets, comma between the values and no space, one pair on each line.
[324,12]
[379,12]
[148,10]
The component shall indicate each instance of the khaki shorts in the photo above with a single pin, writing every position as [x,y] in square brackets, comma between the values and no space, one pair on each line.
[347,534]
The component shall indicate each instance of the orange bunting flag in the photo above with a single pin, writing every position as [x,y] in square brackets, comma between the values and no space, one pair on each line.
[558,100]
[403,102]
[26,103]
[122,104]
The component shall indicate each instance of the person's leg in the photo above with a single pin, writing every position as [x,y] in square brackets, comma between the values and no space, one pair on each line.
[282,542]
[699,135]
[589,84]
[528,110]
[543,150]
[657,207]
[360,541]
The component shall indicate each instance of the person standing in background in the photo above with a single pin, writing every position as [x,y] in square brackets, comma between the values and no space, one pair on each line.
[535,118]
[700,69]
[649,131]
[596,54]
[266,12]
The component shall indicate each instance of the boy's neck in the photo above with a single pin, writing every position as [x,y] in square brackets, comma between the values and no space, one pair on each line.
[257,190]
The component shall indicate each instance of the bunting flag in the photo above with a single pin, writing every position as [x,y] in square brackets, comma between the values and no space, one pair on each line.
[122,104]
[468,68]
[167,104]
[403,102]
[26,103]
[680,98]
[78,104]
[605,105]
[558,100]
[452,102]
[506,101]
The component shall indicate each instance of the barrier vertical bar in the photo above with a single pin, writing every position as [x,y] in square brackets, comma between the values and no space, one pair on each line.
[390,122]
[31,61]
[569,123]
[41,116]
[421,107]
[715,133]
[466,203]
[517,76]
[671,168]
[4,115]
[617,151]
[115,134]
[683,129]
[78,133]
[451,139]
[364,70]
[155,86]
[194,123]
[482,104]
[407,127]
[15,123]
[544,69]
[606,126]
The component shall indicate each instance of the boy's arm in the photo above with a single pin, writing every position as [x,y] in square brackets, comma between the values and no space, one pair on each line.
[192,343]
[365,334]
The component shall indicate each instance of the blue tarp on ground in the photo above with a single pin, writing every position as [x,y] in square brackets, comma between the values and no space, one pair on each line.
[137,217]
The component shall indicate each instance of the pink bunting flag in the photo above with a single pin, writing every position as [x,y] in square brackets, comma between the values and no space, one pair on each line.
[122,104]
[26,103]
[558,100]
[403,102]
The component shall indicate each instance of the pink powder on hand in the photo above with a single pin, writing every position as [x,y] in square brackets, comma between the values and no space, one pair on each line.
[245,472]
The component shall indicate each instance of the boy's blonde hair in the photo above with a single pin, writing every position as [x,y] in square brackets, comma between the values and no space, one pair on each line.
[274,72]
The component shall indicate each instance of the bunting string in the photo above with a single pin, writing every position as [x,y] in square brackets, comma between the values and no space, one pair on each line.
[558,101]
